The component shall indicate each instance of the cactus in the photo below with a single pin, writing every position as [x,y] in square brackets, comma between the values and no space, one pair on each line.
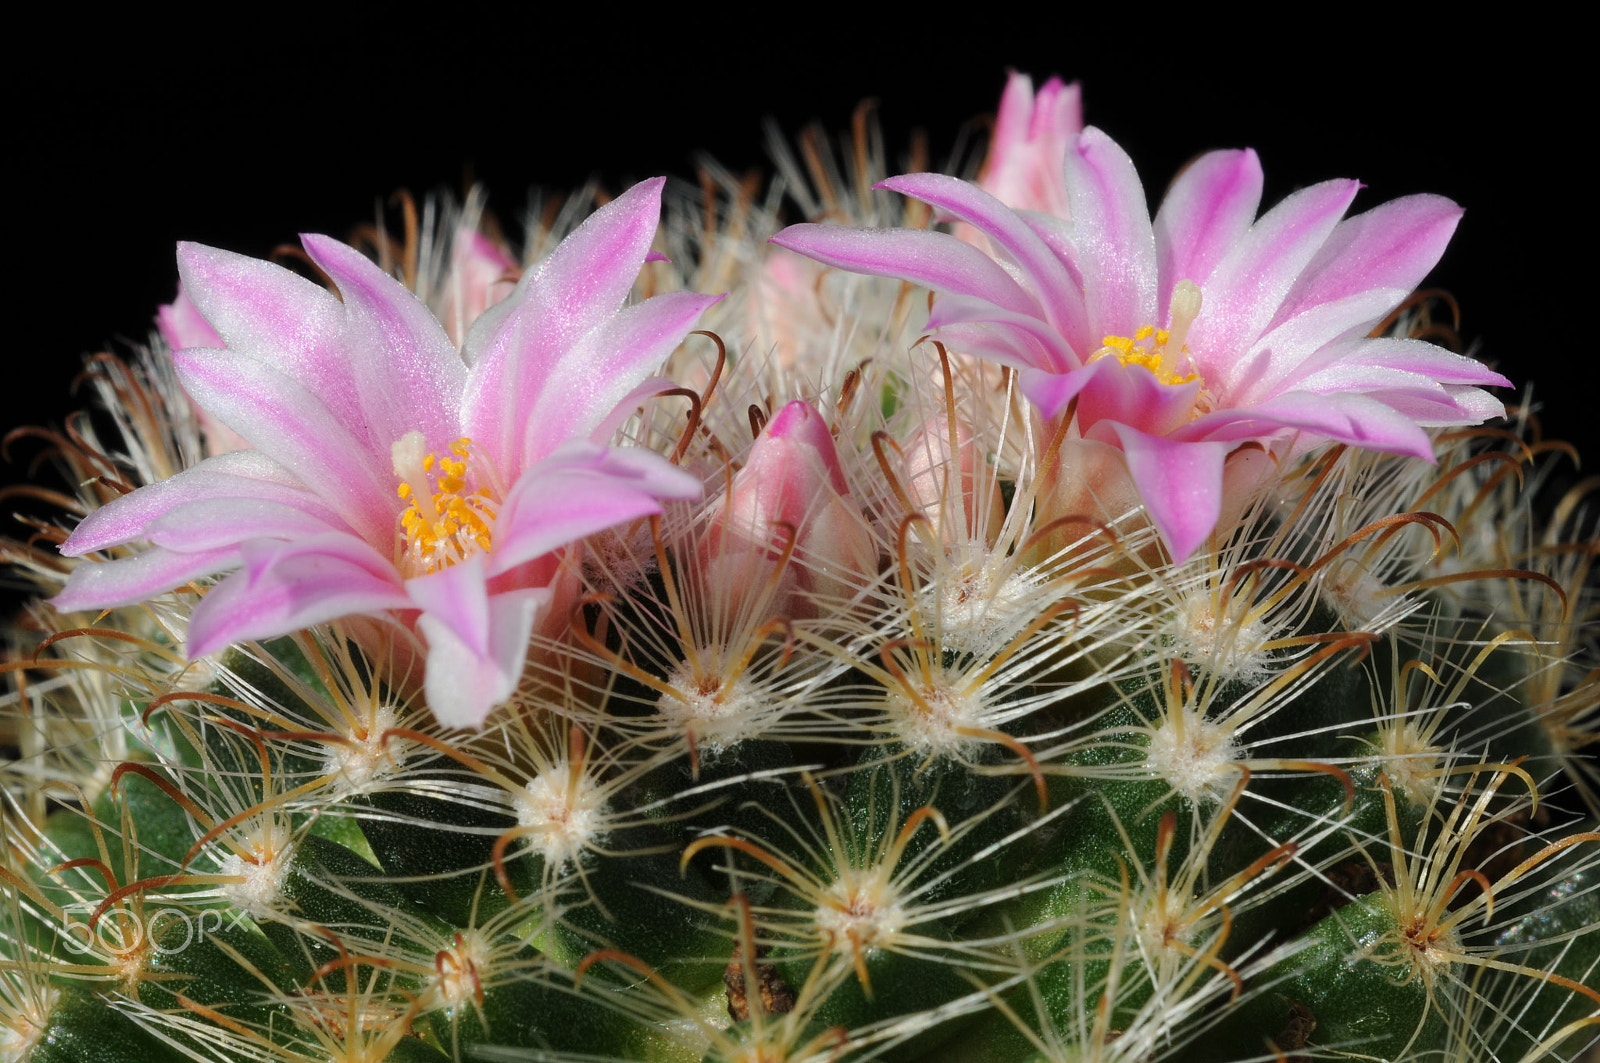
[886,713]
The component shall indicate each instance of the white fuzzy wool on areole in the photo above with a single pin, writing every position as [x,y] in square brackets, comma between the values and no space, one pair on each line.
[563,812]
[1194,755]
[259,888]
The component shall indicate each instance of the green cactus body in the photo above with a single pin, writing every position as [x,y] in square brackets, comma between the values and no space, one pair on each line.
[1545,1015]
[1337,993]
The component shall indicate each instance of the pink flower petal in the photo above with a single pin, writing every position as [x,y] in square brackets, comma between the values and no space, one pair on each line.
[222,522]
[1039,345]
[296,428]
[1051,392]
[1038,270]
[599,371]
[1394,245]
[1116,246]
[649,388]
[477,642]
[932,260]
[1475,404]
[1440,405]
[1245,291]
[1355,376]
[1415,356]
[1208,209]
[516,346]
[1131,394]
[269,313]
[182,325]
[579,490]
[407,374]
[1295,347]
[1001,343]
[240,474]
[285,586]
[1348,418]
[1332,362]
[1180,483]
[131,580]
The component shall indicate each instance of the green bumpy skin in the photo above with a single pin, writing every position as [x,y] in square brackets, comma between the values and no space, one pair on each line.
[381,884]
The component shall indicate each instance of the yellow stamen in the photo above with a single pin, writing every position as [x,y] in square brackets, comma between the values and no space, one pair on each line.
[446,524]
[1166,352]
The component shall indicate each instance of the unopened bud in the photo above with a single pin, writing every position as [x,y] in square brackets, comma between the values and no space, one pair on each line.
[790,497]
[959,508]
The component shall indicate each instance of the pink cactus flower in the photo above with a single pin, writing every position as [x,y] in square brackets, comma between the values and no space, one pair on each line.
[392,475]
[1175,342]
[1029,148]
[791,489]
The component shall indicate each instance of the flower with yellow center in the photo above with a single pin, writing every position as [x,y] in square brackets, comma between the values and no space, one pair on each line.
[392,475]
[1266,319]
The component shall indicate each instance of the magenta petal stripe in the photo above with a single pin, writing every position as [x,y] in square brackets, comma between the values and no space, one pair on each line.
[1208,209]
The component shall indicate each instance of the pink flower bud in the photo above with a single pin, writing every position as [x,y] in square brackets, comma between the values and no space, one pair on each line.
[1028,154]
[959,508]
[792,487]
[785,310]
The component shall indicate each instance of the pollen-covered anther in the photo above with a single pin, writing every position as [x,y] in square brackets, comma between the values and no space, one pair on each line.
[1194,755]
[1161,351]
[445,521]
[563,812]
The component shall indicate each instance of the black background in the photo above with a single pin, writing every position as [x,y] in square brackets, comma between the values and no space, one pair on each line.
[126,139]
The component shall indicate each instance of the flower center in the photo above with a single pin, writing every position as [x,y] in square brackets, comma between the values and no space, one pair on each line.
[1161,351]
[447,519]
